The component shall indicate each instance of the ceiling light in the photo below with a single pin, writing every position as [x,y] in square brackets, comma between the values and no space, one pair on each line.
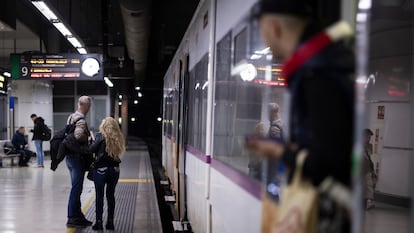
[45,10]
[59,25]
[108,82]
[64,31]
[139,94]
[135,101]
[159,119]
[75,42]
[137,88]
[7,74]
[82,50]
[364,4]
[133,119]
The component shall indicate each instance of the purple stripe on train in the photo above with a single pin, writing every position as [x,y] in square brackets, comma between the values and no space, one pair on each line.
[241,179]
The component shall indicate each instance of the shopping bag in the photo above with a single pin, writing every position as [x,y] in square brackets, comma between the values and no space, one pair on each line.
[298,209]
[269,215]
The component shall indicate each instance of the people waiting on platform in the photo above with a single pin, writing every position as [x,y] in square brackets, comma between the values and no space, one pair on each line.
[20,144]
[108,147]
[75,165]
[37,131]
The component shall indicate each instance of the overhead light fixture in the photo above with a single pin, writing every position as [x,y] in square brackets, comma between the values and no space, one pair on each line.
[75,42]
[119,103]
[65,32]
[108,82]
[120,97]
[82,50]
[137,88]
[364,4]
[58,23]
[135,101]
[139,94]
[159,119]
[133,119]
[45,10]
[7,74]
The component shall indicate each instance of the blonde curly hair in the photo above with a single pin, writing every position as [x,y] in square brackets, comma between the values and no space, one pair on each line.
[115,142]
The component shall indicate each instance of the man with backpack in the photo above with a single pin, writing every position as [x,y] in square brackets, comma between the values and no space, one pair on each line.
[74,162]
[39,125]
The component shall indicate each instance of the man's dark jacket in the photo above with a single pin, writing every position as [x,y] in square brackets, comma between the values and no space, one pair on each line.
[18,140]
[322,112]
[39,124]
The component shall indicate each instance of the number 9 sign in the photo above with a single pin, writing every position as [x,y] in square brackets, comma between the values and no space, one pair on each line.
[25,71]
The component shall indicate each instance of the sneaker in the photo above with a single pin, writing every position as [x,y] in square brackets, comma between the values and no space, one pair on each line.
[98,226]
[75,222]
[110,225]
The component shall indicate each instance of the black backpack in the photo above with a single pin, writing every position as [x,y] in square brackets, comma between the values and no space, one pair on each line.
[57,140]
[46,133]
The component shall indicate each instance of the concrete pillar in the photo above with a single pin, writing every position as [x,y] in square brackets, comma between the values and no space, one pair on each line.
[32,96]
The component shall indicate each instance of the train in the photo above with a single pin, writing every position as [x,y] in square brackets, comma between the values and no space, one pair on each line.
[217,90]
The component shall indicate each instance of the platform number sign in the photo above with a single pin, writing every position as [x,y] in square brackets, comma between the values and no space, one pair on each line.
[57,66]
[25,71]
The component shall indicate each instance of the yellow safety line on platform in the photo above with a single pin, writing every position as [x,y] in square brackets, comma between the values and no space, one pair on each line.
[84,210]
[134,180]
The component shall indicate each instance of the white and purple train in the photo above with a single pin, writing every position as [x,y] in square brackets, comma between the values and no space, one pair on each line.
[217,90]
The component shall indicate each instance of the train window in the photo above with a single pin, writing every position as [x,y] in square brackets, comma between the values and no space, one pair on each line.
[242,100]
[388,146]
[197,106]
[240,46]
[223,57]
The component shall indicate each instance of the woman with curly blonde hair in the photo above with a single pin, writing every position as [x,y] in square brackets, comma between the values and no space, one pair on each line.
[109,145]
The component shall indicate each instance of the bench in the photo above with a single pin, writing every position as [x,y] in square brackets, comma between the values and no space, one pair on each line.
[3,155]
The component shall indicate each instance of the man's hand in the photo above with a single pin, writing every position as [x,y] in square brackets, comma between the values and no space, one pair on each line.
[265,147]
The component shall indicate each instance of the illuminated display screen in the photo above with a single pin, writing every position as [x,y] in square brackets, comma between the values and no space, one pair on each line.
[3,85]
[57,66]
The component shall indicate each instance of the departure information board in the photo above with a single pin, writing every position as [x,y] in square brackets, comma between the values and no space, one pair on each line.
[57,66]
[3,85]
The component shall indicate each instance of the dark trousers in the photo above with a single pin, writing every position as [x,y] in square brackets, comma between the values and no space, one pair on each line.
[25,156]
[77,175]
[105,176]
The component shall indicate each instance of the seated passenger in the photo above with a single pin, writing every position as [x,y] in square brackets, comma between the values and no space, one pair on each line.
[20,143]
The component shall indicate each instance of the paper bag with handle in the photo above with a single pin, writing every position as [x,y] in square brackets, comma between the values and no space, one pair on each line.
[298,209]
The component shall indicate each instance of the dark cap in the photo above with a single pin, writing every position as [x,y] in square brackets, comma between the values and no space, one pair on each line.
[301,8]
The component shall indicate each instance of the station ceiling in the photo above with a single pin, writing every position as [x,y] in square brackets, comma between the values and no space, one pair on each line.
[135,37]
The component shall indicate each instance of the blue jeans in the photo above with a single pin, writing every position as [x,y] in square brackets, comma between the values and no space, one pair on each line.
[39,152]
[108,176]
[77,176]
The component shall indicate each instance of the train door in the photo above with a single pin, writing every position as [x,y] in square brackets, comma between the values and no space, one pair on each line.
[387,60]
[3,117]
[182,135]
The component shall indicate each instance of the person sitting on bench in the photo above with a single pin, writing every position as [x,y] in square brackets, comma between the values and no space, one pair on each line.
[20,143]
